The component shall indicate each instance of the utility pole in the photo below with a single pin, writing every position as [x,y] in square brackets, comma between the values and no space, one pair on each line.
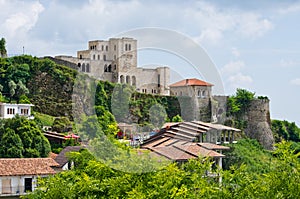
[23,50]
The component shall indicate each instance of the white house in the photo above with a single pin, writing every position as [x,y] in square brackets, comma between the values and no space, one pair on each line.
[11,110]
[20,175]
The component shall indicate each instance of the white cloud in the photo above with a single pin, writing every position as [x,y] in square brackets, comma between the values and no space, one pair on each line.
[295,82]
[232,67]
[295,7]
[235,52]
[287,63]
[240,80]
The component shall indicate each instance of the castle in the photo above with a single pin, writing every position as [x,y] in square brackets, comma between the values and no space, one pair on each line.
[115,60]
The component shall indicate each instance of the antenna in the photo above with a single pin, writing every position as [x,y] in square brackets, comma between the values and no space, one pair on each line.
[23,50]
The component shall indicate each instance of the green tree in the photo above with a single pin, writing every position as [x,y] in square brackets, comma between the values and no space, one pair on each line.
[3,52]
[177,118]
[11,145]
[12,89]
[61,124]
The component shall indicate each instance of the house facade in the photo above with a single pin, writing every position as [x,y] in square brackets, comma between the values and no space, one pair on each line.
[115,60]
[20,175]
[8,111]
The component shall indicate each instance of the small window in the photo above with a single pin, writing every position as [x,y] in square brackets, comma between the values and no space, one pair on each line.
[87,69]
[104,57]
[80,56]
[79,65]
[115,47]
[129,47]
[102,48]
[83,67]
[28,184]
[115,57]
[98,57]
[115,67]
[94,57]
[106,48]
[125,47]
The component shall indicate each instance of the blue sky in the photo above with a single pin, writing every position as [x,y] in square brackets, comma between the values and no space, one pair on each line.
[253,44]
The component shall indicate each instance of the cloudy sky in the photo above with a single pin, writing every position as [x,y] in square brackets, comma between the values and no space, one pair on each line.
[252,44]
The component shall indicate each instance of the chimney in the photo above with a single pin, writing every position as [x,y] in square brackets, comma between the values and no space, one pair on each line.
[186,81]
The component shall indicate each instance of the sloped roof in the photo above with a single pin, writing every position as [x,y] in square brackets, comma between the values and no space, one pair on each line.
[191,82]
[62,159]
[27,166]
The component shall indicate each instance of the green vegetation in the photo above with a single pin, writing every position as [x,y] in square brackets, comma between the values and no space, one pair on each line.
[3,51]
[249,152]
[21,137]
[237,105]
[93,179]
[44,119]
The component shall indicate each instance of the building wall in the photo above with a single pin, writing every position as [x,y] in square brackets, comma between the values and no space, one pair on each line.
[192,91]
[14,109]
[115,60]
[17,184]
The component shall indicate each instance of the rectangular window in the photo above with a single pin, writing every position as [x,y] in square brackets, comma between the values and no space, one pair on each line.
[24,111]
[106,48]
[28,184]
[102,48]
[6,186]
[115,47]
[158,80]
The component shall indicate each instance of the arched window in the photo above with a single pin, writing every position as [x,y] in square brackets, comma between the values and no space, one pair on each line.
[127,79]
[87,69]
[122,79]
[115,67]
[102,48]
[199,93]
[106,48]
[109,68]
[94,57]
[105,68]
[203,94]
[79,65]
[129,47]
[104,57]
[80,56]
[133,79]
[125,47]
[83,67]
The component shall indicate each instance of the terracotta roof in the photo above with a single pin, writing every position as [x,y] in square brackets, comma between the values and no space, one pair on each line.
[191,82]
[213,146]
[52,155]
[62,159]
[27,166]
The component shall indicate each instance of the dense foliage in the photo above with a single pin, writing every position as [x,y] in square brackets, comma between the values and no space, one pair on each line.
[21,137]
[93,179]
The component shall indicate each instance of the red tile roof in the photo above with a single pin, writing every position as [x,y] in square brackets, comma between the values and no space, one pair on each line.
[27,166]
[191,82]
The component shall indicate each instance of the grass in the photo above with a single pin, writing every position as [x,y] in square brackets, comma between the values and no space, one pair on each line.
[46,120]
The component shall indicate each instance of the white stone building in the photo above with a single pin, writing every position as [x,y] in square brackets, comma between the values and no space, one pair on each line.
[115,60]
[11,110]
[19,175]
[192,88]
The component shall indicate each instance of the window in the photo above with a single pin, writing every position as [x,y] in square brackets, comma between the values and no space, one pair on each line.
[115,57]
[115,47]
[104,57]
[28,184]
[10,111]
[102,48]
[79,65]
[115,67]
[6,186]
[109,68]
[158,80]
[105,68]
[94,57]
[128,79]
[106,48]
[125,47]
[80,56]
[83,67]
[129,47]
[98,57]
[203,94]
[24,111]
[87,69]
[133,80]
[122,79]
